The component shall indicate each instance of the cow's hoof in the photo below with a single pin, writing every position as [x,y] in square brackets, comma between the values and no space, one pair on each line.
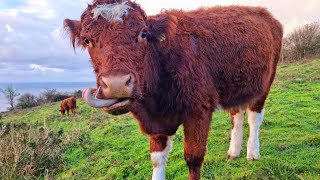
[253,156]
[230,157]
[233,153]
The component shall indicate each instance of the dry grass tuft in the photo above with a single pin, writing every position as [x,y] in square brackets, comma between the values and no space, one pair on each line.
[29,152]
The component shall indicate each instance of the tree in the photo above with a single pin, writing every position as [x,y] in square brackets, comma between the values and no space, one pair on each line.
[303,42]
[49,94]
[10,94]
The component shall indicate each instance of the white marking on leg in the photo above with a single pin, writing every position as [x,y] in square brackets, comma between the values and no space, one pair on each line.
[253,147]
[159,160]
[236,135]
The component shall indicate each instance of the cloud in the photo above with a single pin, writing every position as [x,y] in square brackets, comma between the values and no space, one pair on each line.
[40,9]
[9,12]
[13,73]
[33,36]
[37,67]
[9,28]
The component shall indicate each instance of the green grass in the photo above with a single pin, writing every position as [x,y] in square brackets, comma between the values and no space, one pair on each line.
[101,146]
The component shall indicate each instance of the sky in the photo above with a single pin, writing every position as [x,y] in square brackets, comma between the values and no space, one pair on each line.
[34,47]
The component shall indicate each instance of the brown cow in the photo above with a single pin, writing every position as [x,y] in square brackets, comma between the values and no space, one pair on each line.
[177,68]
[68,104]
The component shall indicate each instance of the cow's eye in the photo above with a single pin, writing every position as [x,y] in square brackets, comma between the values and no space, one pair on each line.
[142,37]
[86,40]
[143,34]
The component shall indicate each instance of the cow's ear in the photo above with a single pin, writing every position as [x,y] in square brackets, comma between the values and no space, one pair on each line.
[162,28]
[73,29]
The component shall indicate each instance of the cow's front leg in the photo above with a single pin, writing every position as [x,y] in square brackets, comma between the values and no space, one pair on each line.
[73,112]
[237,118]
[160,147]
[195,141]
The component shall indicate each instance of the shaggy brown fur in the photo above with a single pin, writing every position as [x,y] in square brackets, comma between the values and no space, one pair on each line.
[209,56]
[158,143]
[68,104]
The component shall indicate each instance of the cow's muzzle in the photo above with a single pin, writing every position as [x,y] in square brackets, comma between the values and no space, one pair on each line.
[114,93]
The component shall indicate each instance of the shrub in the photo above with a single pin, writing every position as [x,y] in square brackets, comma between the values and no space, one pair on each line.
[49,95]
[59,97]
[52,95]
[27,101]
[77,94]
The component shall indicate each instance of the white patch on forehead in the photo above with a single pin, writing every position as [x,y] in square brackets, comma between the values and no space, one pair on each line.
[112,12]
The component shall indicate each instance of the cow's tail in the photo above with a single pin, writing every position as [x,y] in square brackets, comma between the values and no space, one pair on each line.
[277,32]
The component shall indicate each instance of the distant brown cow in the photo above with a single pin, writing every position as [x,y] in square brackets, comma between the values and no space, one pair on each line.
[68,104]
[176,68]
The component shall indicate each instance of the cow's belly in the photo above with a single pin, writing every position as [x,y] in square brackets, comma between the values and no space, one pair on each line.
[238,90]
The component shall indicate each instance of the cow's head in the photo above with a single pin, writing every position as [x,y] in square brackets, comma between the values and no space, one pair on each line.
[62,111]
[121,41]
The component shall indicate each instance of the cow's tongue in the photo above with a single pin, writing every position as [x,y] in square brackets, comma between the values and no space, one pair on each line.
[97,103]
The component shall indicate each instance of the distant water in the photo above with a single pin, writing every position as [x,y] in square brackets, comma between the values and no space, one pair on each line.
[38,88]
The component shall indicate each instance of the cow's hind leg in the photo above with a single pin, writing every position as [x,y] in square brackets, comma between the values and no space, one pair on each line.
[160,147]
[255,118]
[196,133]
[237,118]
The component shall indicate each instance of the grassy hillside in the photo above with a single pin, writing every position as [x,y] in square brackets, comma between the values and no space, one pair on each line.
[101,146]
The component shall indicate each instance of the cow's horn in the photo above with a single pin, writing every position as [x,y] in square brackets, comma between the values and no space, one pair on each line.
[97,103]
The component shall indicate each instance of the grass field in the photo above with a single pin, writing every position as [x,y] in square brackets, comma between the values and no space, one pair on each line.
[101,146]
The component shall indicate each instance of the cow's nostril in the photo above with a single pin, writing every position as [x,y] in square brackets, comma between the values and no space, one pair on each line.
[104,82]
[128,81]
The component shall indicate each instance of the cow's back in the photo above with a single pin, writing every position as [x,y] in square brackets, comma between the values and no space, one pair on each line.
[238,46]
[68,103]
[72,102]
